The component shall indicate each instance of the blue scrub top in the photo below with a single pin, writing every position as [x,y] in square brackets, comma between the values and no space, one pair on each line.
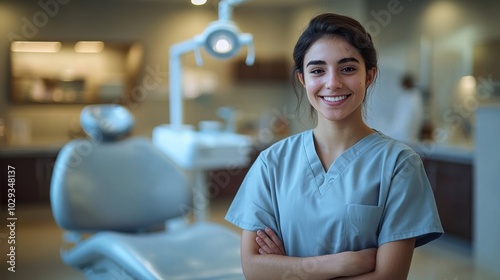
[375,192]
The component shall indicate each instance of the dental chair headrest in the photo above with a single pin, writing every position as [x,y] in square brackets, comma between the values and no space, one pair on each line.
[108,122]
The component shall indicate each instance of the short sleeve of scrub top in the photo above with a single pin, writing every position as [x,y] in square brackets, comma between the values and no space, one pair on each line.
[254,206]
[375,192]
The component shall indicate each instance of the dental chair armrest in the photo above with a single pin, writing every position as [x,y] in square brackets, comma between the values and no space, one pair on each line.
[107,245]
[199,251]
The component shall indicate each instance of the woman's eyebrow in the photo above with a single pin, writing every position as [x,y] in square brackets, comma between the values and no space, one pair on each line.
[348,59]
[316,62]
[341,61]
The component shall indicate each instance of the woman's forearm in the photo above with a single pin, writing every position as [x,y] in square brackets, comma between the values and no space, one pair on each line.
[276,266]
[284,267]
[393,261]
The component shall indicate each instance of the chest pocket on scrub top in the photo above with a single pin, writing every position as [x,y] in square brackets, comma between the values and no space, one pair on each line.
[361,227]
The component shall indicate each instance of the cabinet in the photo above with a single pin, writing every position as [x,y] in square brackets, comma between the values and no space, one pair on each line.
[453,191]
[225,183]
[33,176]
[264,71]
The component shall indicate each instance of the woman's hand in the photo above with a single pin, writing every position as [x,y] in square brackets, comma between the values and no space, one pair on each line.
[269,243]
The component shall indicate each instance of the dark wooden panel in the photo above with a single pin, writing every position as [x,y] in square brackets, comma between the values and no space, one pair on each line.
[32,178]
[265,71]
[453,189]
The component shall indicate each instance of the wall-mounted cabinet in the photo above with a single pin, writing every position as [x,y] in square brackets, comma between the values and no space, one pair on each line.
[72,72]
[274,70]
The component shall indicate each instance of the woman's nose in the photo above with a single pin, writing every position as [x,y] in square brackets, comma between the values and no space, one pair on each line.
[333,81]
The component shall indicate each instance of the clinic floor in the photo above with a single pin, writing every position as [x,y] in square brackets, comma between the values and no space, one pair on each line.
[38,240]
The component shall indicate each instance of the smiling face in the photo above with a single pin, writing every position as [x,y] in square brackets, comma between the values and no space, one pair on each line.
[335,78]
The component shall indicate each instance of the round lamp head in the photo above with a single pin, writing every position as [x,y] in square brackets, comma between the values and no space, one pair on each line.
[221,40]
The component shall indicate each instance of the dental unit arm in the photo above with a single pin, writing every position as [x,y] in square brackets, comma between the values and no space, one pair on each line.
[207,149]
[221,39]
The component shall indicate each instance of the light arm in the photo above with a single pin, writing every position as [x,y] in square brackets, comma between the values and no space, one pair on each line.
[225,8]
[175,74]
[247,39]
[194,44]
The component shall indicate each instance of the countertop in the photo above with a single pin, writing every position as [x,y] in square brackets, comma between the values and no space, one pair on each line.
[37,148]
[427,150]
[444,152]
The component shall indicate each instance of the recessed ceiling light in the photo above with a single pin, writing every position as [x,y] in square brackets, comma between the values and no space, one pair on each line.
[198,2]
[89,46]
[31,46]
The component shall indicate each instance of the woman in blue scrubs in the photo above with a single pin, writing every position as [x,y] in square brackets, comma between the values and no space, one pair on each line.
[342,199]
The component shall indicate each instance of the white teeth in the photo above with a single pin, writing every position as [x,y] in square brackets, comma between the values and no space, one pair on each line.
[335,98]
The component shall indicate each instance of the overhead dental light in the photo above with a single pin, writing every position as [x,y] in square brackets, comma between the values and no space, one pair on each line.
[221,39]
[209,148]
[221,43]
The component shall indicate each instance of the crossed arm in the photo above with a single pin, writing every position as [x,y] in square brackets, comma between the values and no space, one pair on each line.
[263,257]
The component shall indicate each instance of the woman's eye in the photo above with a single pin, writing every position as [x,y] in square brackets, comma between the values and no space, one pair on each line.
[348,69]
[316,71]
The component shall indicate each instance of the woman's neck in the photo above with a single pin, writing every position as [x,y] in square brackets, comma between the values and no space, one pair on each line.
[333,138]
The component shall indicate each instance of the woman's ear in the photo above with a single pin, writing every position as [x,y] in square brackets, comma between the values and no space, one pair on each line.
[370,76]
[301,78]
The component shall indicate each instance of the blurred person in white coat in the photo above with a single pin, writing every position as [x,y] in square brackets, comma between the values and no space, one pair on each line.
[408,117]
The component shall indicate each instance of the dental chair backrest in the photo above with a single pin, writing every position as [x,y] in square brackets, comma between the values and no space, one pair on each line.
[111,182]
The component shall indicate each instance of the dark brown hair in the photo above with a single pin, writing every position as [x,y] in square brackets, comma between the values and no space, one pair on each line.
[332,25]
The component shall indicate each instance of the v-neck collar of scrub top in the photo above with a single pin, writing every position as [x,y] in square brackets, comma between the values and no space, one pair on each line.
[326,179]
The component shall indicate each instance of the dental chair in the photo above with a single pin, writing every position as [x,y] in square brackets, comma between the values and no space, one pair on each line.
[123,205]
